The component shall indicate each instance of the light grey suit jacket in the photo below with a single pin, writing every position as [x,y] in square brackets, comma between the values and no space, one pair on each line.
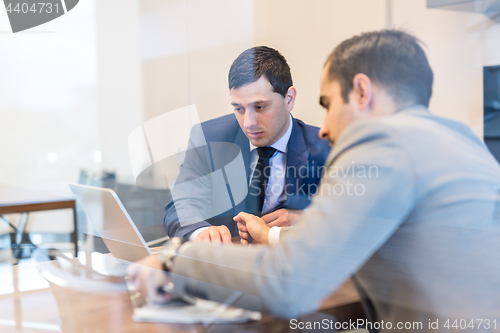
[409,204]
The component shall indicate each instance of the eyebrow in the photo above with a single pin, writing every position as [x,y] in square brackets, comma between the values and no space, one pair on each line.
[253,103]
[259,102]
[323,101]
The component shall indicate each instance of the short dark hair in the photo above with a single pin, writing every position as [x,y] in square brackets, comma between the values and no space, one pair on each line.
[260,61]
[392,58]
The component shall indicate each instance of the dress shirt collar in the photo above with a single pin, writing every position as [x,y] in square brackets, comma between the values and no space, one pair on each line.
[282,142]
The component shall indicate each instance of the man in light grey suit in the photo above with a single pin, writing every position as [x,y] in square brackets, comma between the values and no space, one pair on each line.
[409,206]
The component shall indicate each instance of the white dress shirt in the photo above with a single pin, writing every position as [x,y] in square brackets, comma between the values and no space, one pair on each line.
[276,183]
[277,162]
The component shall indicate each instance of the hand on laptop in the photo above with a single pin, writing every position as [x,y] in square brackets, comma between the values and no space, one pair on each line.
[214,234]
[252,229]
[282,217]
[149,279]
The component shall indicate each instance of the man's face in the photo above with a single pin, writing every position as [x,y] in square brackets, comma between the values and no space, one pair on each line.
[263,114]
[338,114]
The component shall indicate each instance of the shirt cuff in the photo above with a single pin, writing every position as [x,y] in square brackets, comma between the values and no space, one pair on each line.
[195,233]
[274,235]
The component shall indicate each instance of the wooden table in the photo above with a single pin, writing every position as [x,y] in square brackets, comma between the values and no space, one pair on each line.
[56,308]
[14,200]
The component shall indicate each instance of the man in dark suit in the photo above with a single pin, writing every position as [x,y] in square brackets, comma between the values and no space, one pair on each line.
[278,159]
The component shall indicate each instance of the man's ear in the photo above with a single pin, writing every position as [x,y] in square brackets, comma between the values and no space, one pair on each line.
[290,96]
[362,88]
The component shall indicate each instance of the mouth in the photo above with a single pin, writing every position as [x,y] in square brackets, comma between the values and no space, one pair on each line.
[255,135]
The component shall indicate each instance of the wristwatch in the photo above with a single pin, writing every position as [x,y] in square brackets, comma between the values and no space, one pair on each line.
[166,257]
[169,252]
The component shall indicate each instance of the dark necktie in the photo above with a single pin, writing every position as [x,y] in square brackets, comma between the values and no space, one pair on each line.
[260,178]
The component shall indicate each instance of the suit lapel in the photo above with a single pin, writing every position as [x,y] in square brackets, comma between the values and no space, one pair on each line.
[296,158]
[242,141]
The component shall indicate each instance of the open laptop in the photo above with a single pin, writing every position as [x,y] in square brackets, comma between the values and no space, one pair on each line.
[112,222]
[124,241]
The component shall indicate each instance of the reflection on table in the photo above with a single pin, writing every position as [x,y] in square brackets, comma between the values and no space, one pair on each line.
[28,303]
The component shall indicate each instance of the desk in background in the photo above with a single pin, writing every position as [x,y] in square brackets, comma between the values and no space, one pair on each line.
[14,200]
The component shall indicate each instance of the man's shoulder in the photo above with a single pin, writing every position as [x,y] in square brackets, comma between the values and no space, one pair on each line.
[420,124]
[306,128]
[228,120]
[416,131]
[221,129]
[399,127]
[312,139]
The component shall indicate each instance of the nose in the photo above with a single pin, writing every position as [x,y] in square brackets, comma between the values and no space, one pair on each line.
[250,120]
[323,131]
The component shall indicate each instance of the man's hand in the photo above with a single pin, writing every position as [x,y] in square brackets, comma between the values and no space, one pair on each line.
[252,229]
[219,234]
[282,217]
[148,278]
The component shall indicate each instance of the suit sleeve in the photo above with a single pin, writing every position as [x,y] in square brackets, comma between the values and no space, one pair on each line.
[365,194]
[284,232]
[189,206]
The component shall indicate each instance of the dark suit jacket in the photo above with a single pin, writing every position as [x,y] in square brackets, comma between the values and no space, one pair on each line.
[305,158]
